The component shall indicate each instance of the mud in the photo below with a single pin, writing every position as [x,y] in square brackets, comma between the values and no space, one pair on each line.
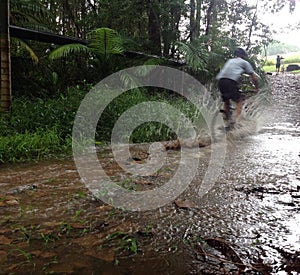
[248,223]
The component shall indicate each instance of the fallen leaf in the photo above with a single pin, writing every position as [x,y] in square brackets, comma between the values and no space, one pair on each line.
[185,204]
[12,202]
[4,240]
[43,254]
[107,255]
[78,225]
[3,256]
[224,247]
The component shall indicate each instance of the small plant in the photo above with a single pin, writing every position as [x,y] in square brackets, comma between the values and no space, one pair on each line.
[77,214]
[65,229]
[148,229]
[26,233]
[26,255]
[126,243]
[129,185]
[81,195]
[256,242]
[47,238]
[47,265]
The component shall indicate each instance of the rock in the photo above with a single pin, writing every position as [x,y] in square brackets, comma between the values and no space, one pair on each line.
[292,67]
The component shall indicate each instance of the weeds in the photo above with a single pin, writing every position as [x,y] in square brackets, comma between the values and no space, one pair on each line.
[27,233]
[125,243]
[47,238]
[77,214]
[129,185]
[65,229]
[48,265]
[25,254]
[80,195]
[148,229]
[29,146]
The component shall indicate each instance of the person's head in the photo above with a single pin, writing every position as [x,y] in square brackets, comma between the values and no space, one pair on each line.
[239,52]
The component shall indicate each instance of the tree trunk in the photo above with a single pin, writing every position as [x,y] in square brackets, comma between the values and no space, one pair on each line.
[195,19]
[5,57]
[253,22]
[209,16]
[192,20]
[198,17]
[154,28]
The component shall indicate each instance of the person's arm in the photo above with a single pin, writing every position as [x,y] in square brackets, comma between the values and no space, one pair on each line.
[255,81]
[248,69]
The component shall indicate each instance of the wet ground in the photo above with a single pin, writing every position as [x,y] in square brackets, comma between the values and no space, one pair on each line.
[248,223]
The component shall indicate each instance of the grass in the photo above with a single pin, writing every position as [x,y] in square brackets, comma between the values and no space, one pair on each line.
[272,69]
[29,146]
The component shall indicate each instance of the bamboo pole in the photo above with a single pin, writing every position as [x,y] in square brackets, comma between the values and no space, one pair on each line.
[5,85]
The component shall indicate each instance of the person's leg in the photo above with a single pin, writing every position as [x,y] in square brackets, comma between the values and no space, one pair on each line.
[227,109]
[238,110]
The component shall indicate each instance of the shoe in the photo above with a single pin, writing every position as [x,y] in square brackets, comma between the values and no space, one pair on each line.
[229,126]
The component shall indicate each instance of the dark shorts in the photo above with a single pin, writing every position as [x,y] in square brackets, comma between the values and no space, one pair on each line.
[229,89]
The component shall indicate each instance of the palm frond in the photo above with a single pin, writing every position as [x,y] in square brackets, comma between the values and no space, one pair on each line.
[149,65]
[67,50]
[153,61]
[195,56]
[105,42]
[24,11]
[130,81]
[21,43]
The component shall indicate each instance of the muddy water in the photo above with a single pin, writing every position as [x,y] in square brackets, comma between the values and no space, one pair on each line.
[248,223]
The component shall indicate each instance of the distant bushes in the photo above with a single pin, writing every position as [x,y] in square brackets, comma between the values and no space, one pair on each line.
[281,48]
[287,60]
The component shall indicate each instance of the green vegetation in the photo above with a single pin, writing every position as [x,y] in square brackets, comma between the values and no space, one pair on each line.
[125,243]
[46,129]
[37,128]
[49,80]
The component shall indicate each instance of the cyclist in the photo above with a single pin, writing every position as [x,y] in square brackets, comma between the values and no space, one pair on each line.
[228,81]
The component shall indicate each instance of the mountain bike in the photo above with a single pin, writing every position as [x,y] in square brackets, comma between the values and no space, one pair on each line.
[221,125]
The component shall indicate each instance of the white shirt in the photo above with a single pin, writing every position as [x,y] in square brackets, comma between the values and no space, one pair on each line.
[234,68]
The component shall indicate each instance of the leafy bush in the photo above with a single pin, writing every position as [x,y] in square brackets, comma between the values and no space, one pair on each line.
[38,128]
[28,116]
[149,131]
